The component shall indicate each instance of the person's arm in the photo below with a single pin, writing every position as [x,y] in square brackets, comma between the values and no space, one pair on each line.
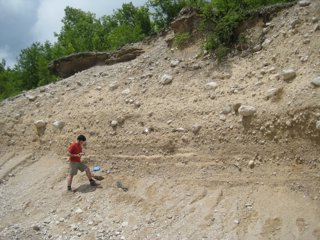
[71,154]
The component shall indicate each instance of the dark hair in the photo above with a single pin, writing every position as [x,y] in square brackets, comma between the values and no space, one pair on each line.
[81,138]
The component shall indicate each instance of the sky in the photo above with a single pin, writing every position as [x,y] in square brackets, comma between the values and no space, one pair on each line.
[23,22]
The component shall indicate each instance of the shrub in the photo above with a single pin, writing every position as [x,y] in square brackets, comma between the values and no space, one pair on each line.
[221,52]
[221,18]
[181,39]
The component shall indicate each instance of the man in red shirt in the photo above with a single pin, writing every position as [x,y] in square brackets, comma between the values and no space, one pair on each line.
[75,153]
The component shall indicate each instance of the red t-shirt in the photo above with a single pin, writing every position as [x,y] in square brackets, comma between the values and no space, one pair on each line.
[74,148]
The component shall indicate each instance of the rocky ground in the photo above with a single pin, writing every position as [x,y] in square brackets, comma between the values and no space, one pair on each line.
[188,148]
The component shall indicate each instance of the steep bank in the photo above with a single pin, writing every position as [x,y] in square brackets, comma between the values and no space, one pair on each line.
[169,127]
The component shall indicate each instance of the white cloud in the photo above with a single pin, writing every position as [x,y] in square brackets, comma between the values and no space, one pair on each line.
[49,16]
[14,6]
[5,54]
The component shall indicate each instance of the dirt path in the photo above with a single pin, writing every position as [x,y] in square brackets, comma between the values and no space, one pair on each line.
[190,198]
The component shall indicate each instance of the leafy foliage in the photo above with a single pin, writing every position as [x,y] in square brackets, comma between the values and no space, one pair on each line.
[32,66]
[221,18]
[8,81]
[77,27]
[180,39]
[165,11]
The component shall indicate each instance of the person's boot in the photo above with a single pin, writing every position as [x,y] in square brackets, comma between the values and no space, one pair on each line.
[93,183]
[69,189]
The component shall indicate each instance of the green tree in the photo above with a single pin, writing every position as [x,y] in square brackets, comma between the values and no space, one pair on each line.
[9,83]
[165,11]
[81,31]
[135,17]
[32,65]
[124,34]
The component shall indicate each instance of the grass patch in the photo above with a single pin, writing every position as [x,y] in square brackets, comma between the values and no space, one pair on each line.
[181,39]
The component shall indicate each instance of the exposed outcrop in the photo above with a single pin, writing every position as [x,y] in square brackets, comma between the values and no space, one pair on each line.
[69,65]
[187,21]
[124,55]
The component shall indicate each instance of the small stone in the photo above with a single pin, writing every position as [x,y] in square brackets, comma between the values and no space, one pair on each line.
[211,86]
[274,92]
[266,42]
[288,74]
[166,79]
[40,126]
[113,86]
[78,210]
[318,125]
[247,111]
[114,123]
[236,107]
[257,48]
[316,82]
[126,91]
[195,67]
[251,164]
[226,110]
[174,63]
[74,227]
[40,123]
[196,128]
[137,104]
[47,221]
[222,117]
[179,130]
[148,130]
[58,125]
[304,59]
[212,95]
[42,90]
[304,3]
[294,22]
[31,98]
[36,228]
[306,41]
[289,123]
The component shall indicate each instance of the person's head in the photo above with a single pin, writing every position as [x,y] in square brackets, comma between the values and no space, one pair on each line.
[81,139]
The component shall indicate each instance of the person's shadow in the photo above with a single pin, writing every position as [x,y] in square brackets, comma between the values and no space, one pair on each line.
[86,188]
